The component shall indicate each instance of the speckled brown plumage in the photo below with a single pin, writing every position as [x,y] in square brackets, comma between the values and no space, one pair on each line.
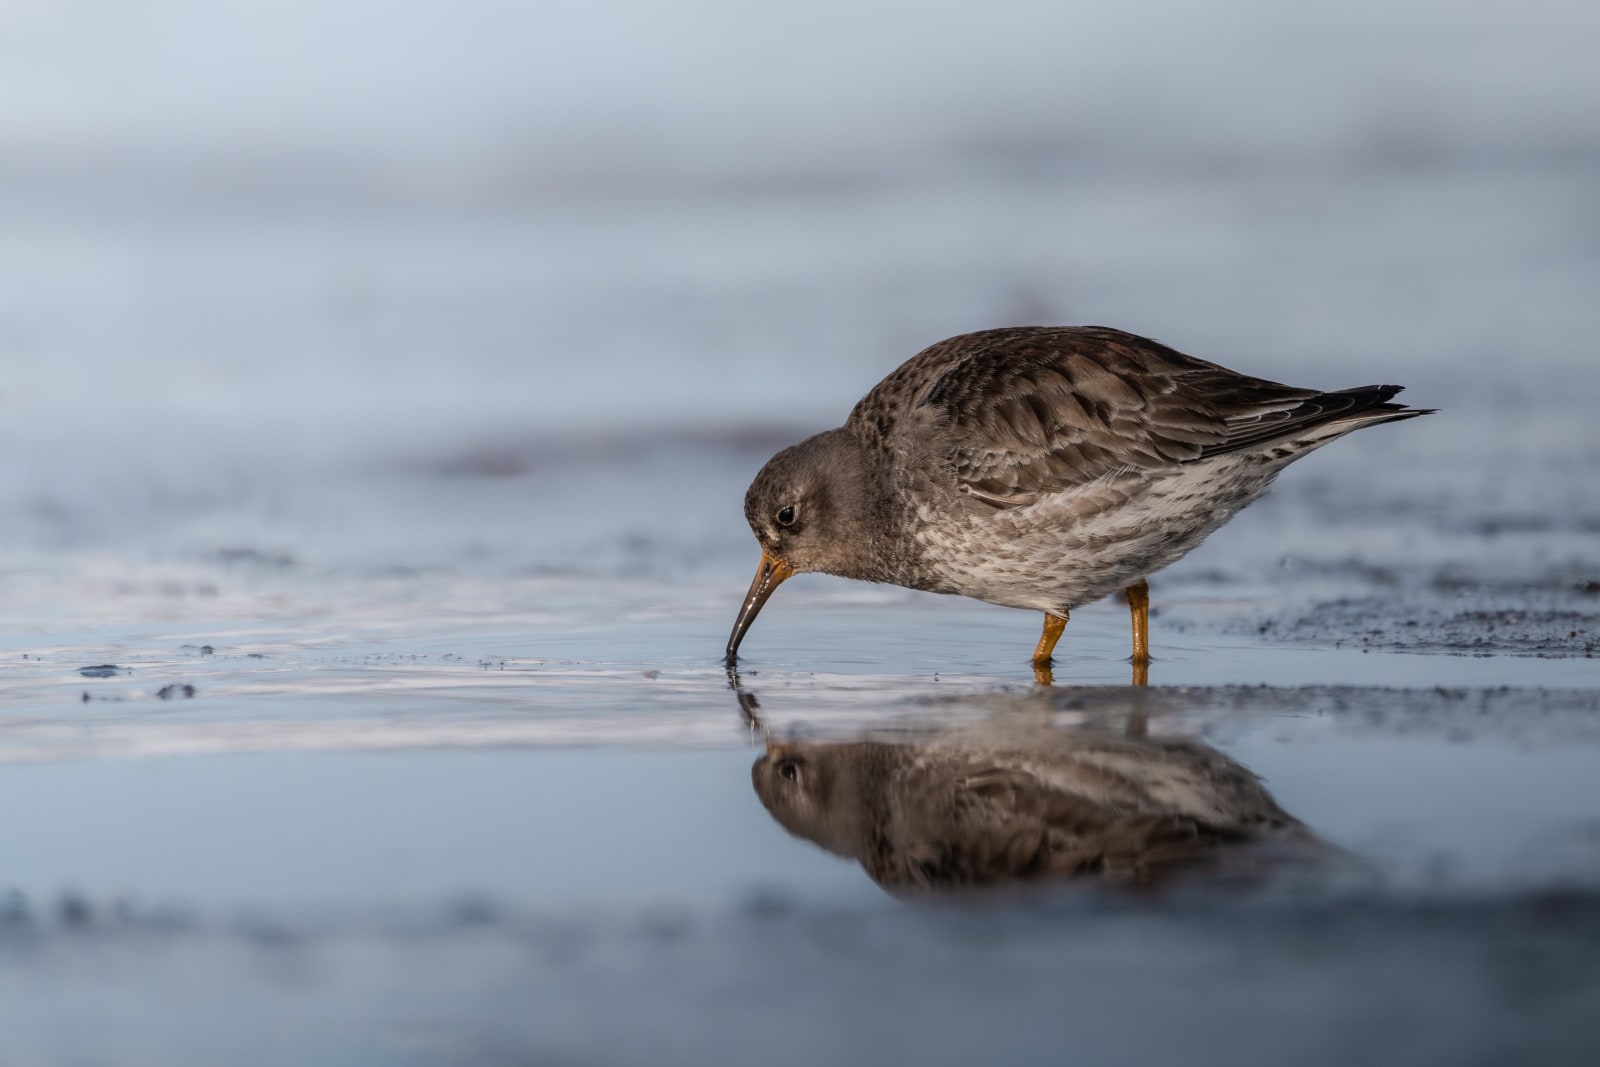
[971,812]
[1036,467]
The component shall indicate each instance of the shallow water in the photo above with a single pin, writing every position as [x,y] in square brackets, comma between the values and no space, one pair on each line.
[462,779]
[449,810]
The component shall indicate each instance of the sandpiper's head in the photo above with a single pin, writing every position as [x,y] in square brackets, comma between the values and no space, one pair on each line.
[808,508]
[794,505]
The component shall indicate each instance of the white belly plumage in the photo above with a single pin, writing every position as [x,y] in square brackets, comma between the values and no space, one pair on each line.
[1074,547]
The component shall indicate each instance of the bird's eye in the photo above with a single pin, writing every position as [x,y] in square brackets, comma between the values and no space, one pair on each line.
[788,770]
[786,515]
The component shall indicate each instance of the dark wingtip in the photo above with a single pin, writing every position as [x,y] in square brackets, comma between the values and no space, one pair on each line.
[1381,394]
[1369,396]
[1391,413]
[1372,406]
[1347,409]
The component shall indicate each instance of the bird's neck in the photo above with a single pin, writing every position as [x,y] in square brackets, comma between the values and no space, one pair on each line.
[864,512]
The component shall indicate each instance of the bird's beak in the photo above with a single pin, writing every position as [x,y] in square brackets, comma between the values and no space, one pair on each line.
[769,576]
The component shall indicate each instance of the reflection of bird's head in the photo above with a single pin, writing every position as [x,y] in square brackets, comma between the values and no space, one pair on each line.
[813,791]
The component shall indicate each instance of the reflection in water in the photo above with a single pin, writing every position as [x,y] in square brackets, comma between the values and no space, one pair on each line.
[999,807]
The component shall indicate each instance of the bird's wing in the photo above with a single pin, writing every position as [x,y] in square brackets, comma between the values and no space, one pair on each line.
[1016,414]
[1001,824]
[990,829]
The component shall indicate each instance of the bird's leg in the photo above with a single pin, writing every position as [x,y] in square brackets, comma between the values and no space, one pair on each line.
[1053,626]
[1138,595]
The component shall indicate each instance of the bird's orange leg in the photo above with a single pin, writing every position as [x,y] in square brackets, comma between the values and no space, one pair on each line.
[1053,626]
[1138,595]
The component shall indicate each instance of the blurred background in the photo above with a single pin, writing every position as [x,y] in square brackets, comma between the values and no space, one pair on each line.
[251,249]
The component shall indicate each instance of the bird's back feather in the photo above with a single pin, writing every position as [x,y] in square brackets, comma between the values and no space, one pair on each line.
[1015,414]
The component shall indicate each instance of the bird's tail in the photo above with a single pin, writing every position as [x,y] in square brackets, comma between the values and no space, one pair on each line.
[1316,420]
[1367,405]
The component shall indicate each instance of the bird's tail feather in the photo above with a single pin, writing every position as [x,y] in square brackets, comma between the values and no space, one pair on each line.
[1319,419]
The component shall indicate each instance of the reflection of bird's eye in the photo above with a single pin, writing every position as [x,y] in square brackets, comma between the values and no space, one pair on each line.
[788,770]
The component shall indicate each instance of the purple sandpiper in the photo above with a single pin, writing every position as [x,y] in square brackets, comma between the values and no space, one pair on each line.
[1037,467]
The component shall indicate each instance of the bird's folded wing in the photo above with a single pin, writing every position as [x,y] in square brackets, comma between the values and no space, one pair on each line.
[1003,824]
[1021,413]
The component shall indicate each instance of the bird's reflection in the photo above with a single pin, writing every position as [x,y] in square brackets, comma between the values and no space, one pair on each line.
[994,807]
